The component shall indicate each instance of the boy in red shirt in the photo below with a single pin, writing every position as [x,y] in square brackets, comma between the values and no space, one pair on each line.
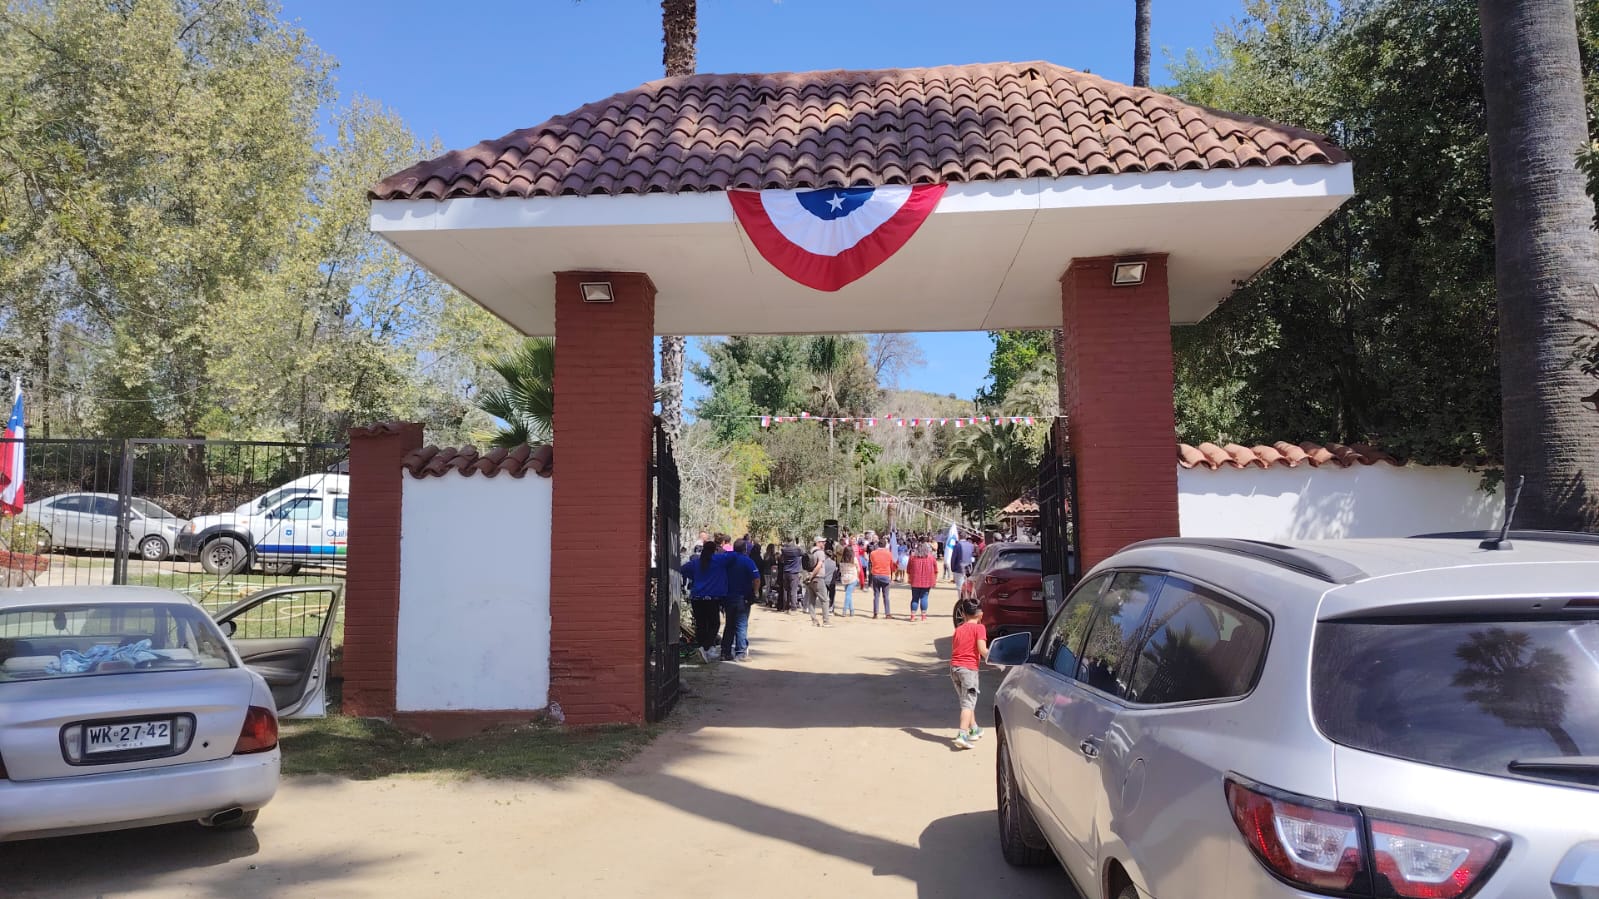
[968,649]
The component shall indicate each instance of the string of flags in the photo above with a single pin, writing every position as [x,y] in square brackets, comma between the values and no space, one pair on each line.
[900,421]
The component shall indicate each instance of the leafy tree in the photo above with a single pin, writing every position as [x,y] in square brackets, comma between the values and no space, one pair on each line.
[1342,338]
[526,401]
[1014,353]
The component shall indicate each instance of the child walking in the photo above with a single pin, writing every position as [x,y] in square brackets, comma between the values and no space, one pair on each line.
[968,649]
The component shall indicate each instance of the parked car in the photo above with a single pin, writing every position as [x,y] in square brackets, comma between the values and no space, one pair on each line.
[126,707]
[1008,581]
[89,521]
[303,522]
[1408,717]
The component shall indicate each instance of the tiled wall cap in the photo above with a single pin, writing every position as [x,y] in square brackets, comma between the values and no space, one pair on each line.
[436,462]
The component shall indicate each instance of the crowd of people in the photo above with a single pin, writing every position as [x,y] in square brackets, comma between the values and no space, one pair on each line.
[726,578]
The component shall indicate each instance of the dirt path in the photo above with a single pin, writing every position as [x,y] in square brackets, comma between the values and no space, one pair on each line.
[822,767]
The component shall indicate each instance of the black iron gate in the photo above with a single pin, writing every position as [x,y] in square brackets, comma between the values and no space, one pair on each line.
[138,510]
[1060,538]
[663,599]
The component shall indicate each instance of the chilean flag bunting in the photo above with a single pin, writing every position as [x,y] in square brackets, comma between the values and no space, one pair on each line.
[826,239]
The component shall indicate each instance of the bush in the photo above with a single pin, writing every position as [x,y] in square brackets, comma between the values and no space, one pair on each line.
[22,536]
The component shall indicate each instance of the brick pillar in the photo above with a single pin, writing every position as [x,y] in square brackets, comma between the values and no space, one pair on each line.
[599,542]
[1117,370]
[372,567]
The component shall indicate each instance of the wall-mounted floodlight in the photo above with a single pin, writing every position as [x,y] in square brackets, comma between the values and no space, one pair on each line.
[597,292]
[1128,274]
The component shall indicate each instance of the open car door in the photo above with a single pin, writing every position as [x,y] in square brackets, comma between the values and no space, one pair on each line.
[284,634]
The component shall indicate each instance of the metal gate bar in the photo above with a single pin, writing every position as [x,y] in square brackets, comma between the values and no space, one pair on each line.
[663,599]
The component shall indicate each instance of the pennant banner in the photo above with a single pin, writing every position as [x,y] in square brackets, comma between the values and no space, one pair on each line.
[826,239]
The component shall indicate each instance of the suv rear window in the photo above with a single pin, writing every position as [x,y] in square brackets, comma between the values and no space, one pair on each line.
[47,642]
[1019,560]
[1473,695]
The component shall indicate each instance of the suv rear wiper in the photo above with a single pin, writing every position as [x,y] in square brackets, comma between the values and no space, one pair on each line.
[1579,768]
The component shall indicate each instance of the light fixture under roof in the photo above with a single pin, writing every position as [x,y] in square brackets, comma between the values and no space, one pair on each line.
[1128,274]
[597,292]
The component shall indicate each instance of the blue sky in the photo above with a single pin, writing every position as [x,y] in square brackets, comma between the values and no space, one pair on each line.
[468,72]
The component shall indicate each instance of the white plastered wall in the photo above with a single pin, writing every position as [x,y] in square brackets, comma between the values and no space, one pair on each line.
[474,630]
[1307,503]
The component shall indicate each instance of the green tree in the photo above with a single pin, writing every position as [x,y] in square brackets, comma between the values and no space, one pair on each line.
[525,403]
[1014,354]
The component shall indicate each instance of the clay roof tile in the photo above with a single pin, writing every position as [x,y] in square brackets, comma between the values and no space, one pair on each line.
[917,126]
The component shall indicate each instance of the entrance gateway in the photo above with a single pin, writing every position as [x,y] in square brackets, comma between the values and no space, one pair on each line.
[617,222]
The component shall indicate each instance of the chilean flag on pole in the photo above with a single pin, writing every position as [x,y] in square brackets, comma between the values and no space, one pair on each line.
[828,238]
[11,498]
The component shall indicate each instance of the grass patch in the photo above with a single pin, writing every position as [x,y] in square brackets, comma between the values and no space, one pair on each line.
[363,749]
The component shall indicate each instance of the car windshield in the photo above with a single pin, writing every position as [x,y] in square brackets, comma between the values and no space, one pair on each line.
[148,509]
[1473,695]
[272,498]
[61,641]
[1019,560]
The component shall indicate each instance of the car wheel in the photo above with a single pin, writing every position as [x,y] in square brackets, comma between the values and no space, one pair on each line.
[45,545]
[224,555]
[153,548]
[243,822]
[1019,837]
[1128,891]
[281,569]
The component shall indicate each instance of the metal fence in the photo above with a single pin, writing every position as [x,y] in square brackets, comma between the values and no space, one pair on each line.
[216,519]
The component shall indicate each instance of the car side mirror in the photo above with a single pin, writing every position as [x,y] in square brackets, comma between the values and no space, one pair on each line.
[1010,650]
[230,627]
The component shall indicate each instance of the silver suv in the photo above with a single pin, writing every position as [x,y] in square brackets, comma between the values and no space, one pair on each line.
[1366,718]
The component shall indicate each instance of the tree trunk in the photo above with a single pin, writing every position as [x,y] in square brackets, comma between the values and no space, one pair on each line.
[679,39]
[1546,256]
[1141,43]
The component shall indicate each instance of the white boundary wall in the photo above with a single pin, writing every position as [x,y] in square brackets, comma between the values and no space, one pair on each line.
[1307,503]
[474,629]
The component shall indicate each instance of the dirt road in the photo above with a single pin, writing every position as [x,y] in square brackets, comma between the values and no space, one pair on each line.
[822,767]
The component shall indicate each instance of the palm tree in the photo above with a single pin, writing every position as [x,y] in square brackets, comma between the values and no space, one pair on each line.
[998,457]
[1518,689]
[1546,256]
[679,39]
[1141,43]
[527,401]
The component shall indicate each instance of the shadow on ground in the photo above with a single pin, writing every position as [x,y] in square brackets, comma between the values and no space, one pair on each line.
[211,863]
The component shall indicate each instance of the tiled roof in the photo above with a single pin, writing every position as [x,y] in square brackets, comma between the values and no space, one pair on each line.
[984,122]
[1289,455]
[431,461]
[1026,504]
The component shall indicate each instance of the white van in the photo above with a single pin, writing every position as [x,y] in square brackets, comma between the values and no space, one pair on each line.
[303,522]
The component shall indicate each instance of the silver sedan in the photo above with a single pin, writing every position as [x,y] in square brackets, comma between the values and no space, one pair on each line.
[89,521]
[126,707]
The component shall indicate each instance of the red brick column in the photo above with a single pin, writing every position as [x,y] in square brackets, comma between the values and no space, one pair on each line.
[372,567]
[599,541]
[1118,375]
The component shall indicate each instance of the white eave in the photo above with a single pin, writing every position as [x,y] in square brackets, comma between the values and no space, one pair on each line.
[989,257]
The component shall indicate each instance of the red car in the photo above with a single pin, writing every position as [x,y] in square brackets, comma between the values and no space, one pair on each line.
[1008,581]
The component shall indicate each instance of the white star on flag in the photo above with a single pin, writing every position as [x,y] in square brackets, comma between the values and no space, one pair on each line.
[836,203]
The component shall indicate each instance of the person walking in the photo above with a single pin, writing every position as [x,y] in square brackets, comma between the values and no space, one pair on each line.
[960,561]
[743,585]
[968,650]
[922,571]
[789,581]
[849,575]
[708,593]
[881,561]
[816,583]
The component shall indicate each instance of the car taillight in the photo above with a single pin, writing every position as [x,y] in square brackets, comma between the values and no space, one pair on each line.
[1415,862]
[1326,846]
[1306,842]
[260,731]
[990,580]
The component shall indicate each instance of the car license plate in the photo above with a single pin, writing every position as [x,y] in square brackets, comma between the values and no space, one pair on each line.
[129,735]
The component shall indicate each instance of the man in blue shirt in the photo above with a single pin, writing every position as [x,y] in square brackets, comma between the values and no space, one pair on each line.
[960,561]
[743,585]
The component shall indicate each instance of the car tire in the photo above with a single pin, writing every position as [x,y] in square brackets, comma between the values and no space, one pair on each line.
[153,548]
[280,569]
[1020,840]
[243,822]
[45,544]
[224,555]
